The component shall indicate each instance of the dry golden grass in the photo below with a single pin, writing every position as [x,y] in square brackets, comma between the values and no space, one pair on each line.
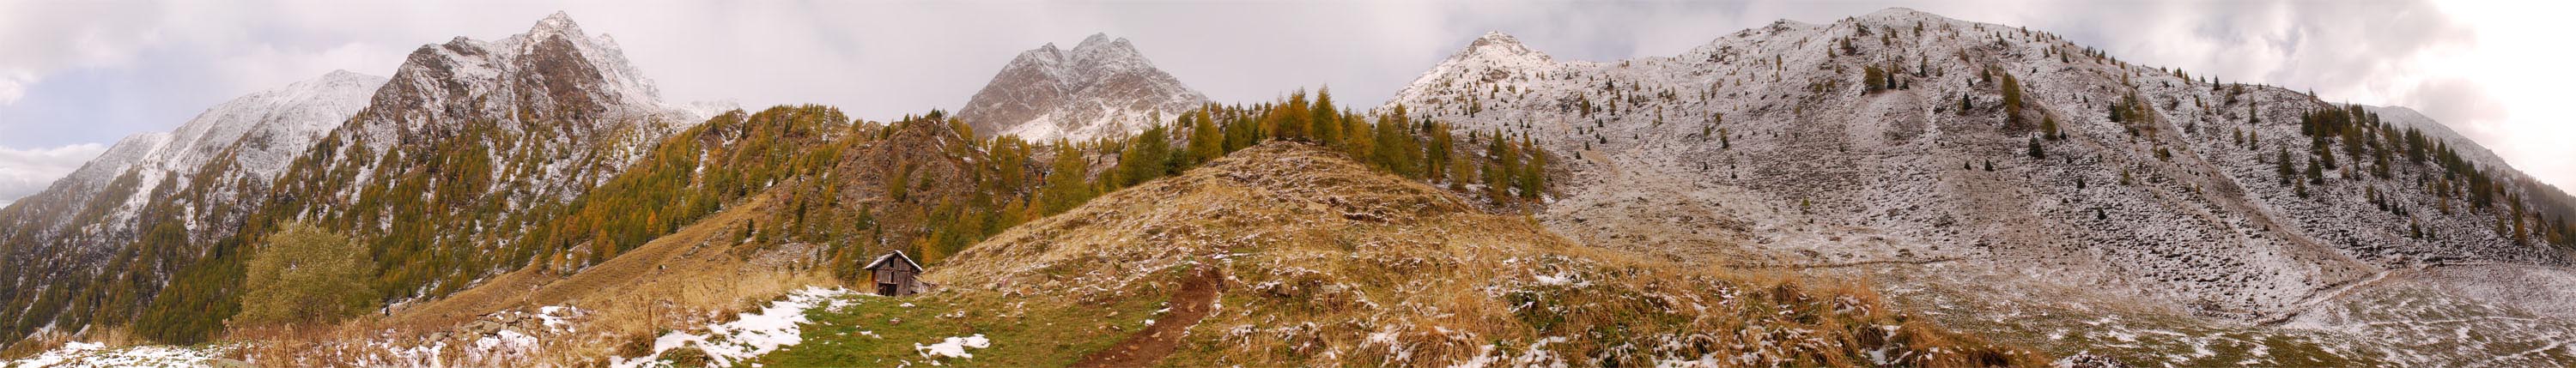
[695,276]
[1325,263]
[1330,263]
[43,341]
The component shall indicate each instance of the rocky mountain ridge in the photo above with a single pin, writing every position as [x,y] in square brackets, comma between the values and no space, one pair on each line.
[491,132]
[1901,137]
[1100,88]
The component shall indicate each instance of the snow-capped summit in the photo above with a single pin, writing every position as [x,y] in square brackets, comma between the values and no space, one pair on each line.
[1498,44]
[1103,86]
[554,72]
[1492,58]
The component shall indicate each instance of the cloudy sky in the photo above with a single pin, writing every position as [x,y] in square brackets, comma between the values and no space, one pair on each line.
[76,76]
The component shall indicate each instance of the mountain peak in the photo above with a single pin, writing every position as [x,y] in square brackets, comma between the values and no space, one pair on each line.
[554,72]
[559,21]
[1102,86]
[1903,12]
[1096,39]
[1101,49]
[1497,43]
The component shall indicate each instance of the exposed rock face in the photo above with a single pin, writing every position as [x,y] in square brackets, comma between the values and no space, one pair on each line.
[471,138]
[1101,87]
[1767,148]
[587,109]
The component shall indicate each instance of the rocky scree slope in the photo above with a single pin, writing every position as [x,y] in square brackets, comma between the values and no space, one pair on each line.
[1780,147]
[1772,134]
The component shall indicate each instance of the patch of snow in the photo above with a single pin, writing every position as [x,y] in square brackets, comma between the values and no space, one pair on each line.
[953,347]
[86,354]
[750,335]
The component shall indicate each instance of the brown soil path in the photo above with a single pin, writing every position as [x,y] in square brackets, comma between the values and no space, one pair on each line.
[1195,300]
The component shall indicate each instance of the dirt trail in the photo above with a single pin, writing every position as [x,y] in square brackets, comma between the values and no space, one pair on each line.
[1925,261]
[1195,300]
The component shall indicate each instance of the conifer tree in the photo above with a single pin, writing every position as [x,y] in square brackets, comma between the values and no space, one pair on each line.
[2316,175]
[2048,127]
[1066,183]
[1145,158]
[1358,138]
[1501,166]
[1206,143]
[2035,151]
[899,186]
[1288,121]
[1436,164]
[1533,174]
[2283,166]
[1395,148]
[2012,100]
[1462,170]
[1871,75]
[1326,125]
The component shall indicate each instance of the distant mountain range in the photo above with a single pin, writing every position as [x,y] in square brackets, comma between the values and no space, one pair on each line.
[2002,183]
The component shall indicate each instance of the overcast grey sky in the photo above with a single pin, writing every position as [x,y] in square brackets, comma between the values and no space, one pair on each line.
[76,76]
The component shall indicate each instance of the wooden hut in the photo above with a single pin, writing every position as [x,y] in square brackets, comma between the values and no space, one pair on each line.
[895,274]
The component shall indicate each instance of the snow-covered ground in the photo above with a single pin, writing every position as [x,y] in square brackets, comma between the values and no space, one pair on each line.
[82,355]
[750,334]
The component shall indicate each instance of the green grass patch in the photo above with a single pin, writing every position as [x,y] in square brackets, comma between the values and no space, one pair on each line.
[1038,331]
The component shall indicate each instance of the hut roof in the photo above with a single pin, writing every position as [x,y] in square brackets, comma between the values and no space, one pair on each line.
[893,256]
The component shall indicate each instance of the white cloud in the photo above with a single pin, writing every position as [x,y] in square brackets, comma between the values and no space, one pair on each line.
[27,171]
[13,84]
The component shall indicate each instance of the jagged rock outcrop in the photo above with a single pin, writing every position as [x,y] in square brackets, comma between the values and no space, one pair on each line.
[1100,88]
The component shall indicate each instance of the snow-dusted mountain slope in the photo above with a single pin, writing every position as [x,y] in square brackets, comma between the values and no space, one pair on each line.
[76,189]
[96,207]
[1100,88]
[586,108]
[466,139]
[278,124]
[473,138]
[1779,147]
